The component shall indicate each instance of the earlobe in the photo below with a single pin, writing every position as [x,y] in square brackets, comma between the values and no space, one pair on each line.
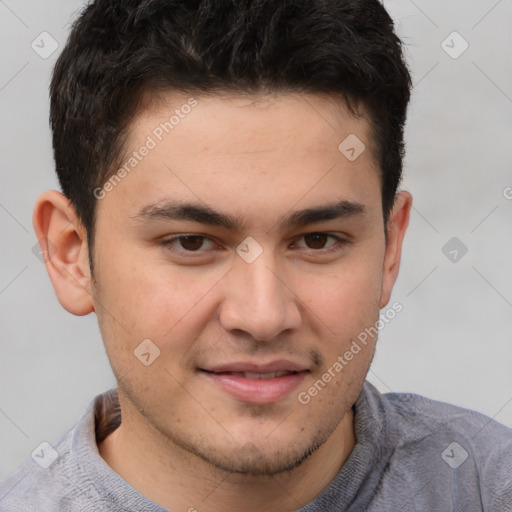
[396,228]
[63,244]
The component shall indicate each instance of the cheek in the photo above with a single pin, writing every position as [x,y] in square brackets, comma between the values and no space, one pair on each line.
[141,300]
[345,307]
[345,297]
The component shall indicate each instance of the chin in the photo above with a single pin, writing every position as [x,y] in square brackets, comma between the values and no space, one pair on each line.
[252,461]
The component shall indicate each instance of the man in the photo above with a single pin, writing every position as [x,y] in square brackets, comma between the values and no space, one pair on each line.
[231,213]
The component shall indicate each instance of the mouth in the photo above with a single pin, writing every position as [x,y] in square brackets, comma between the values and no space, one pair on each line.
[255,375]
[257,384]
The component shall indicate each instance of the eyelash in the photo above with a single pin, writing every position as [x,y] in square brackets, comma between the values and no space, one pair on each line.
[169,244]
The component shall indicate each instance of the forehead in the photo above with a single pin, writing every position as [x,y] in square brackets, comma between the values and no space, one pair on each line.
[252,120]
[246,152]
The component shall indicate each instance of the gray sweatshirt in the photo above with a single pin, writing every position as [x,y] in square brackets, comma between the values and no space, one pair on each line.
[412,455]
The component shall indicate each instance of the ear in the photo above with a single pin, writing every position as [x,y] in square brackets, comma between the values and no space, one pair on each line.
[63,244]
[395,229]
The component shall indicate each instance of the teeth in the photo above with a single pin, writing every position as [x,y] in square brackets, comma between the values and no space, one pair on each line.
[271,375]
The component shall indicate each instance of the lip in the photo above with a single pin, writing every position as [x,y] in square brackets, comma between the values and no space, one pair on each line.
[256,390]
[279,365]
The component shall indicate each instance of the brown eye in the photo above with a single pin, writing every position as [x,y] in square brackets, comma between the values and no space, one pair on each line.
[316,240]
[321,243]
[189,245]
[191,242]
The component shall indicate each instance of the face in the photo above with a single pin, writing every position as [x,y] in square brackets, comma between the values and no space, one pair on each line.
[248,249]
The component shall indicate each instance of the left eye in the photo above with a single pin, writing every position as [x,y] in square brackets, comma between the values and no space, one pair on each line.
[318,240]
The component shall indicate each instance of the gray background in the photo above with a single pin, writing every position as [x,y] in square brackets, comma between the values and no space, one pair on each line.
[452,340]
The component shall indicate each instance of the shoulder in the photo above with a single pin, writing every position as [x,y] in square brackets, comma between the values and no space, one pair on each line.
[70,474]
[57,487]
[415,415]
[451,443]
[53,478]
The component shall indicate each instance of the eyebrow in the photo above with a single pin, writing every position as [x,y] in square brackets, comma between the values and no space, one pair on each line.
[203,214]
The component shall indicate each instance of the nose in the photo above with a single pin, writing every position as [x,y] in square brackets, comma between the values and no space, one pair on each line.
[259,300]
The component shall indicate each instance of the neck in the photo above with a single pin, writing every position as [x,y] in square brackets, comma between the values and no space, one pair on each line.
[178,480]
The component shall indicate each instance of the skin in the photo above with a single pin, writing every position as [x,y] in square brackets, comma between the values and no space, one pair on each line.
[184,442]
